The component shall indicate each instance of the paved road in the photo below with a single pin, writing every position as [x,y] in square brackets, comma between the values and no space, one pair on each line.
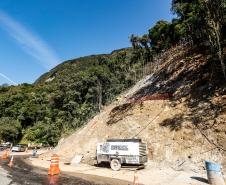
[22,174]
[4,177]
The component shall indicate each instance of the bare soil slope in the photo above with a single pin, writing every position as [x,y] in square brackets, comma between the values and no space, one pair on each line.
[179,110]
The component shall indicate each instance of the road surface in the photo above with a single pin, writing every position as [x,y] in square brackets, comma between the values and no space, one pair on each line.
[22,174]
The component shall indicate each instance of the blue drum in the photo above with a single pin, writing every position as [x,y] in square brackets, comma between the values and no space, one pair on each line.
[214,174]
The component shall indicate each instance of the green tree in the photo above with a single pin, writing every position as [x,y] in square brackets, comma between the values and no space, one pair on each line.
[204,21]
[159,36]
[10,129]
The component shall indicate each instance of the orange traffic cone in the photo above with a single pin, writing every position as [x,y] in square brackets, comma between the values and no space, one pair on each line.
[54,165]
[5,155]
[7,152]
[11,162]
[53,179]
[135,181]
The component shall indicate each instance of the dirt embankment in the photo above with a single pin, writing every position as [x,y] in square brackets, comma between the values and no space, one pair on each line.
[182,117]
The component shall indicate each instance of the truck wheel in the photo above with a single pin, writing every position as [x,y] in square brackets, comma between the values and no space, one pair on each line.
[115,164]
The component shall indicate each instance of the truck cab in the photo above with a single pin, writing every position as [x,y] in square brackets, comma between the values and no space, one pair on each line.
[122,151]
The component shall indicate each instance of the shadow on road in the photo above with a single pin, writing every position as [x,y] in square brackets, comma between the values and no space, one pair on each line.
[201,179]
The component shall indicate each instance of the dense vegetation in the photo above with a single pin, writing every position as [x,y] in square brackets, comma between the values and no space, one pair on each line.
[202,22]
[66,97]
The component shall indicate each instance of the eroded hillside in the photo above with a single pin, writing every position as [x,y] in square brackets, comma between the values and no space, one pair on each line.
[179,110]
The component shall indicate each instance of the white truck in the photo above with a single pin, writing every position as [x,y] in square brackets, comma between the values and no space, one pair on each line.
[122,151]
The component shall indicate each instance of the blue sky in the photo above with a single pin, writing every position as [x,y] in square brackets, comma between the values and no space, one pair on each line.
[36,35]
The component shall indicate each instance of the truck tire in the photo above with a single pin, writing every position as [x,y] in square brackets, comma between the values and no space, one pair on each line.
[115,164]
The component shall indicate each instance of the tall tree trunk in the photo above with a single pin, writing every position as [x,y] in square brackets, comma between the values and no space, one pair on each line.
[219,48]
[214,23]
[99,88]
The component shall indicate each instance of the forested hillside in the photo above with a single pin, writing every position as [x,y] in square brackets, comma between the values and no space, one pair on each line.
[66,97]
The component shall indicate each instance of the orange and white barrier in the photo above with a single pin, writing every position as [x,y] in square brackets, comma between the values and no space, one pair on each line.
[135,181]
[54,165]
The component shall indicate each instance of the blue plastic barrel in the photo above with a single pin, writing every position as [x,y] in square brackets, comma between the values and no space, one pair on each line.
[214,174]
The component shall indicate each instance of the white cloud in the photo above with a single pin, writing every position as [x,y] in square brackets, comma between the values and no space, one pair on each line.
[31,43]
[8,79]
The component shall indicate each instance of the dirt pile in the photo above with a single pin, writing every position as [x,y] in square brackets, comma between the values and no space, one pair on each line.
[182,129]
